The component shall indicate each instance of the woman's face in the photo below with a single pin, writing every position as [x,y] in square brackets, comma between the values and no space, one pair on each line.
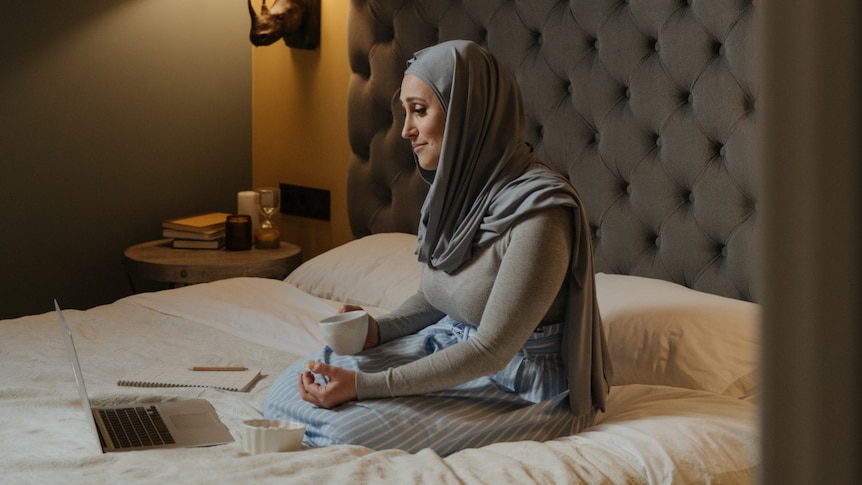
[424,121]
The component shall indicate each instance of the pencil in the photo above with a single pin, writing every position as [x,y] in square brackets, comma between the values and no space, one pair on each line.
[218,368]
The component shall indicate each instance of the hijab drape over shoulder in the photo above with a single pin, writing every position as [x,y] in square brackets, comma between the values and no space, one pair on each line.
[487,177]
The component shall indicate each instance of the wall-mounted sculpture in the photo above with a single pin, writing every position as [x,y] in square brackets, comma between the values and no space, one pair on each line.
[295,21]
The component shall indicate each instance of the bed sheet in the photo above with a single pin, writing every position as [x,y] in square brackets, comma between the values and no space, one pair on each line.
[649,434]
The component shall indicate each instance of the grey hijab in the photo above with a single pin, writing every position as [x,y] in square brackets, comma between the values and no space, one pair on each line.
[487,177]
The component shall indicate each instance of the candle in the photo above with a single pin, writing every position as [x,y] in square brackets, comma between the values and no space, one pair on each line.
[237,232]
[246,202]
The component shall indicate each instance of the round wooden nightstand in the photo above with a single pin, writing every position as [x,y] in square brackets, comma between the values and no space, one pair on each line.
[158,261]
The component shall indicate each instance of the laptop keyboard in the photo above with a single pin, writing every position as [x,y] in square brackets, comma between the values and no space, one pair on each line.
[135,427]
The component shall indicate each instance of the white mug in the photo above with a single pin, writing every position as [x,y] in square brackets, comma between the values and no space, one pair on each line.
[345,333]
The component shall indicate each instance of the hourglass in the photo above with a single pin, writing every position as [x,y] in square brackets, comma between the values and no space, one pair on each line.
[267,235]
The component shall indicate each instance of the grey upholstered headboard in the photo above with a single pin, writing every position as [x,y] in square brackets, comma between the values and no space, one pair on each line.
[648,106]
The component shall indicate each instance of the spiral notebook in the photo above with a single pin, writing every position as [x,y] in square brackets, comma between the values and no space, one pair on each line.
[165,375]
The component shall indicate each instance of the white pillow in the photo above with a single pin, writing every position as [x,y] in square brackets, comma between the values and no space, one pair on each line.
[667,334]
[380,270]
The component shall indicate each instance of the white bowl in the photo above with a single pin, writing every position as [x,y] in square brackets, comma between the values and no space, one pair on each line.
[271,435]
[345,332]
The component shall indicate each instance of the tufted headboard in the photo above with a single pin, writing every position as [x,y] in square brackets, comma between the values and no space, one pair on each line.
[648,106]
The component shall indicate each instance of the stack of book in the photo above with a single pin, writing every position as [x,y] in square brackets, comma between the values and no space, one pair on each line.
[205,231]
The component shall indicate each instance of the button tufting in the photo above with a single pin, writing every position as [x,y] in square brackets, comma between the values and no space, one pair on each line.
[750,104]
[751,204]
[730,98]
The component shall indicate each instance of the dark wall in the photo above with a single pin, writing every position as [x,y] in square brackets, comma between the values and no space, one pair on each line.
[114,115]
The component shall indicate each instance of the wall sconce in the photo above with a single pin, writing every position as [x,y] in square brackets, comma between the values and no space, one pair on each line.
[295,21]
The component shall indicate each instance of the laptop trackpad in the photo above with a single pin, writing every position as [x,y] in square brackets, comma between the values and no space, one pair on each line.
[192,421]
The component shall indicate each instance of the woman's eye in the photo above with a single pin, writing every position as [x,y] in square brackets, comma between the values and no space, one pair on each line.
[414,110]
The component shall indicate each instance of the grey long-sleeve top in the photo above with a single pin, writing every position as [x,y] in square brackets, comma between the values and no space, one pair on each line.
[506,289]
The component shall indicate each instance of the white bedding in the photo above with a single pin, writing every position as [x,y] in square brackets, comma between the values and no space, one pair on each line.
[650,433]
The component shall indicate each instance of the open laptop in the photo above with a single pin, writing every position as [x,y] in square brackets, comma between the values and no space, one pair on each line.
[169,424]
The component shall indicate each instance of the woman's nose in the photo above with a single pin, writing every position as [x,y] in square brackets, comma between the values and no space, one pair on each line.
[409,131]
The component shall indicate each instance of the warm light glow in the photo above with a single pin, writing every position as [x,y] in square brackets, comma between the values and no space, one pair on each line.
[299,126]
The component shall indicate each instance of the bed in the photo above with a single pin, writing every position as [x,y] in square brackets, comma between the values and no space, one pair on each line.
[647,106]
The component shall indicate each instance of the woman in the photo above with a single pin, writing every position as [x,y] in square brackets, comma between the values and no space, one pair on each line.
[504,339]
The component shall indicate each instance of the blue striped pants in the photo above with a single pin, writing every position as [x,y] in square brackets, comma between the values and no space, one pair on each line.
[527,400]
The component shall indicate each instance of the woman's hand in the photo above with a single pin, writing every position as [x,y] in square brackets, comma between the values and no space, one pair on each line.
[342,382]
[340,389]
[373,337]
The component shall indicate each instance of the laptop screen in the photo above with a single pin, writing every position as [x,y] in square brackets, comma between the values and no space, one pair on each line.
[76,367]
